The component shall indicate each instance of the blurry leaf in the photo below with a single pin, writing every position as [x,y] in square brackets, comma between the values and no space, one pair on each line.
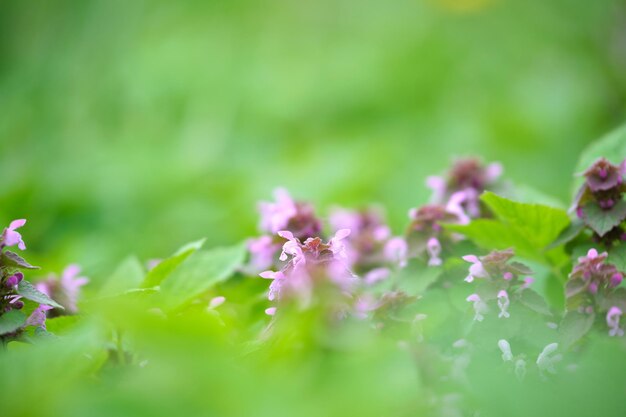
[568,234]
[11,321]
[28,291]
[157,274]
[574,326]
[611,146]
[617,256]
[200,272]
[602,221]
[14,260]
[535,302]
[574,287]
[128,275]
[528,228]
[61,324]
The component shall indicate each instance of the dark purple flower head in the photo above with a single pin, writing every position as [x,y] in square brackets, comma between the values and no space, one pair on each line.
[286,214]
[603,175]
[470,177]
[593,273]
[10,237]
[38,317]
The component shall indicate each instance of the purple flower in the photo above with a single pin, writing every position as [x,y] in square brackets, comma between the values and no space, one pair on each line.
[477,270]
[38,317]
[480,307]
[434,250]
[593,273]
[262,253]
[376,275]
[270,311]
[13,280]
[503,304]
[10,237]
[612,320]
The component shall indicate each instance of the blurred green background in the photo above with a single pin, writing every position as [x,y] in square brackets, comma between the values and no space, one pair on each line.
[138,126]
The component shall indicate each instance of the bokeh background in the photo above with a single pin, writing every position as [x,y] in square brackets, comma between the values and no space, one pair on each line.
[134,127]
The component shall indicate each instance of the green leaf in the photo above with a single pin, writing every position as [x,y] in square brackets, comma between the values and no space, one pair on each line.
[602,221]
[28,291]
[11,321]
[14,260]
[568,234]
[535,302]
[61,324]
[128,275]
[157,274]
[528,228]
[617,256]
[200,272]
[612,147]
[574,326]
[416,277]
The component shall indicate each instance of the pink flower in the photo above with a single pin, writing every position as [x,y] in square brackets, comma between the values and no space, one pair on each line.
[477,270]
[396,251]
[438,185]
[434,250]
[455,206]
[503,304]
[480,307]
[10,237]
[612,320]
[262,251]
[376,275]
[337,246]
[276,216]
[66,289]
[38,317]
[216,302]
[270,311]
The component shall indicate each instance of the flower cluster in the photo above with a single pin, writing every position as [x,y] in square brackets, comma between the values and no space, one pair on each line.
[15,291]
[499,279]
[283,214]
[64,289]
[455,199]
[307,264]
[600,201]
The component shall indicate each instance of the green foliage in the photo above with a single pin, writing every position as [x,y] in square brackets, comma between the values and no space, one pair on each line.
[13,260]
[127,276]
[200,271]
[529,228]
[602,221]
[11,321]
[617,256]
[157,274]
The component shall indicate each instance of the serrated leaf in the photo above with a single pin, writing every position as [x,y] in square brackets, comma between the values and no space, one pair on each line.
[602,221]
[199,272]
[535,302]
[574,326]
[617,256]
[128,275]
[528,228]
[12,259]
[611,146]
[157,274]
[11,321]
[28,291]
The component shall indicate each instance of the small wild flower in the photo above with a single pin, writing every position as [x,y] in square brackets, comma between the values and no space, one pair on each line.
[612,320]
